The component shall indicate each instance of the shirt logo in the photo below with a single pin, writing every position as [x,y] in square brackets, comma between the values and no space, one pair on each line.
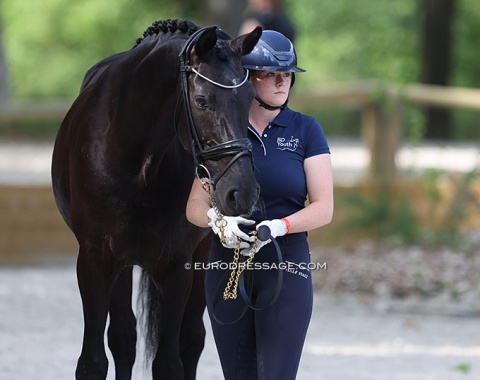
[283,144]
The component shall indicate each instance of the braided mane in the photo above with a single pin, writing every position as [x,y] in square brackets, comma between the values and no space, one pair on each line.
[168,26]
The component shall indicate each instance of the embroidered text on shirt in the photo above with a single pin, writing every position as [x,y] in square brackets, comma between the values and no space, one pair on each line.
[283,144]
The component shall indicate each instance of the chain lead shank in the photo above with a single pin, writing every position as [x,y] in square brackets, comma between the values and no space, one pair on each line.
[232,285]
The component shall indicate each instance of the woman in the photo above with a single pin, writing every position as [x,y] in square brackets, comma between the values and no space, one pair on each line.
[268,14]
[292,162]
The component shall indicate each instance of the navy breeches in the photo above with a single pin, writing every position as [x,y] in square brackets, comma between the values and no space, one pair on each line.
[264,344]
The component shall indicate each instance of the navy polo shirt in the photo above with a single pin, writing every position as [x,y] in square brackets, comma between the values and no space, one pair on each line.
[278,156]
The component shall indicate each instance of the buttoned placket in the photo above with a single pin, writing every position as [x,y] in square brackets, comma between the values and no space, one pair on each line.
[265,135]
[259,138]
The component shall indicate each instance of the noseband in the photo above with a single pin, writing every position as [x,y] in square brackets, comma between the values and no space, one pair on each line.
[236,148]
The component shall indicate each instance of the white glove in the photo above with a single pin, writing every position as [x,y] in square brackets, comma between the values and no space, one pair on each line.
[231,231]
[277,228]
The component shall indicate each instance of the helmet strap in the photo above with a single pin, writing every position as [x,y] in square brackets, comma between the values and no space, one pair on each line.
[269,107]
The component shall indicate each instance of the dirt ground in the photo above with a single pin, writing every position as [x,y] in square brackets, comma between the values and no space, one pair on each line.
[352,336]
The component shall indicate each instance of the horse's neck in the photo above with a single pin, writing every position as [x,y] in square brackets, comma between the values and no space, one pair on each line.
[145,110]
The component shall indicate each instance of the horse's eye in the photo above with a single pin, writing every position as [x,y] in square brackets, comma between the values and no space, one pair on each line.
[201,102]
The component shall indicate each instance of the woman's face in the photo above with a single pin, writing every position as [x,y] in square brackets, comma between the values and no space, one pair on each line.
[272,87]
[261,5]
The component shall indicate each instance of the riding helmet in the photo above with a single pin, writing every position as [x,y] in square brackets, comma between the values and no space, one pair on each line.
[273,52]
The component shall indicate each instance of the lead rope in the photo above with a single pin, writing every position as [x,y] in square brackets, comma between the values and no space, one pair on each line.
[230,291]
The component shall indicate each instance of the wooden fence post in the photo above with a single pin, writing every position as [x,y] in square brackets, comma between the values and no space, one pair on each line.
[382,130]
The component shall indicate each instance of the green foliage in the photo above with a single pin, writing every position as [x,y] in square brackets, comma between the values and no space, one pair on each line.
[381,215]
[344,40]
[430,185]
[336,121]
[463,368]
[51,44]
[465,62]
[384,211]
[466,125]
[414,125]
[450,224]
[30,128]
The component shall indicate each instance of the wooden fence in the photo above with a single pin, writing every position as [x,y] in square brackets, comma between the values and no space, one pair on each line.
[381,105]
[383,111]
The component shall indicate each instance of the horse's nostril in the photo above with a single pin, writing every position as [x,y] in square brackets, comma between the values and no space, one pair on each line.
[232,199]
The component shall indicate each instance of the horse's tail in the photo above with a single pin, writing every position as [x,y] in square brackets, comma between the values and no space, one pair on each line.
[149,307]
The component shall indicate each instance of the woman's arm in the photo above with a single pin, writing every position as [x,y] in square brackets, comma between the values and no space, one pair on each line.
[198,205]
[319,211]
[200,213]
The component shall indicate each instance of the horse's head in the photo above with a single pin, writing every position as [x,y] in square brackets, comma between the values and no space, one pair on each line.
[217,97]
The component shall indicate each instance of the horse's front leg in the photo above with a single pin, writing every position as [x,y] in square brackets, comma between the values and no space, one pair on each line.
[174,290]
[122,334]
[94,282]
[192,334]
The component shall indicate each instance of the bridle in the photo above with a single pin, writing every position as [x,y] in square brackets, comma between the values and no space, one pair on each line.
[237,147]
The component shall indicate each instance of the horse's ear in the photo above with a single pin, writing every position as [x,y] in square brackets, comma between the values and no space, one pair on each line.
[206,42]
[244,44]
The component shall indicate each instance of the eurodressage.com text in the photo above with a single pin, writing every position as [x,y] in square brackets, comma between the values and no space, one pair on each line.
[287,266]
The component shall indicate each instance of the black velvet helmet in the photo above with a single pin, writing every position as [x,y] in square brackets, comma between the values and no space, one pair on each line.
[273,52]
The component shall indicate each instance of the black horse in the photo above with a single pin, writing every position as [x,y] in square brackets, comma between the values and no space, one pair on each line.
[123,164]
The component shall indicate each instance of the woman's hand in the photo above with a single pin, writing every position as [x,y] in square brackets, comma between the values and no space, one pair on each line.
[226,227]
[278,227]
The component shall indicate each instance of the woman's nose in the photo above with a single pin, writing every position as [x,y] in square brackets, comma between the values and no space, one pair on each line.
[280,79]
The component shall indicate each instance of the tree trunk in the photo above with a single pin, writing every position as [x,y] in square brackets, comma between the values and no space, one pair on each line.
[436,58]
